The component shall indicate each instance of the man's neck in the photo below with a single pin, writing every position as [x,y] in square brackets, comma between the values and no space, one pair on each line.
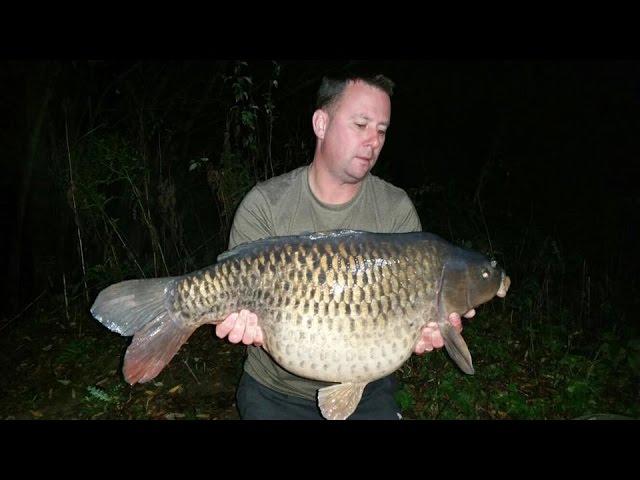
[329,189]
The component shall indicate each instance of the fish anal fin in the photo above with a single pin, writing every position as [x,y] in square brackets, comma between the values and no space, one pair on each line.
[337,402]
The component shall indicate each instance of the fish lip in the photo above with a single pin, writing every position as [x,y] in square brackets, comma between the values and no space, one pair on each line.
[505,283]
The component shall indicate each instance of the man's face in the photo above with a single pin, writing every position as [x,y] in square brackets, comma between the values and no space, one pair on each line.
[355,131]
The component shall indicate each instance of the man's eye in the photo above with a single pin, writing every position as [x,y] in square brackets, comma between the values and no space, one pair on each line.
[361,125]
[382,133]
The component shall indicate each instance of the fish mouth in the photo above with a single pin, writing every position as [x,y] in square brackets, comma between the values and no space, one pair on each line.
[504,286]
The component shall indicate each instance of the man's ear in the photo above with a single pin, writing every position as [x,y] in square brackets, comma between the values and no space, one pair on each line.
[320,120]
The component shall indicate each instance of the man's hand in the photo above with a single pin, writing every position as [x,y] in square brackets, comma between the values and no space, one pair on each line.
[431,337]
[243,326]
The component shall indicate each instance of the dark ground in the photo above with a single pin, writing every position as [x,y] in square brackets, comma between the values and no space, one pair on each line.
[74,372]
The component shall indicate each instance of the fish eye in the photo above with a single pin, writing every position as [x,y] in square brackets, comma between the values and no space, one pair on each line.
[485,274]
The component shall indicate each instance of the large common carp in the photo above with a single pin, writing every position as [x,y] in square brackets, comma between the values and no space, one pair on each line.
[342,306]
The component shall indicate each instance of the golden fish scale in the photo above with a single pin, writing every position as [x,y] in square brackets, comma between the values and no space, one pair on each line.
[332,311]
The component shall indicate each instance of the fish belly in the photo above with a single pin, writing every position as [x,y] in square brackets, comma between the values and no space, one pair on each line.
[340,349]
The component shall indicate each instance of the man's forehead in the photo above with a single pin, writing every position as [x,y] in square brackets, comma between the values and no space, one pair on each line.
[366,101]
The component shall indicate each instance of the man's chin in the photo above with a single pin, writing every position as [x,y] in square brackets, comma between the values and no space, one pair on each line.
[356,177]
[360,169]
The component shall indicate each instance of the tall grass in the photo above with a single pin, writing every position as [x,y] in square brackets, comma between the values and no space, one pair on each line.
[151,198]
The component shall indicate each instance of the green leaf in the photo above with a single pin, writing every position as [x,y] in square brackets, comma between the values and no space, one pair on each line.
[405,399]
[99,394]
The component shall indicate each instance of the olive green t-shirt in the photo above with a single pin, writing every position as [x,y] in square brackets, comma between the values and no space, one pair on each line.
[285,205]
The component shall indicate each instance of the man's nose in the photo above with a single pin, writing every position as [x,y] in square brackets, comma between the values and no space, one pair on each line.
[373,138]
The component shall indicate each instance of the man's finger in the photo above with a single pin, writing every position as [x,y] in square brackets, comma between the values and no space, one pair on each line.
[436,339]
[424,343]
[252,326]
[470,313]
[455,320]
[419,347]
[223,328]
[238,329]
[258,340]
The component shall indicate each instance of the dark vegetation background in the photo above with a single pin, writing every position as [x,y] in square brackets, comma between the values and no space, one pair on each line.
[125,169]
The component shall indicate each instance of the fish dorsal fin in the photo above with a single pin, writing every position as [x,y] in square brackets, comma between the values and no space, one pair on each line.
[265,242]
[337,402]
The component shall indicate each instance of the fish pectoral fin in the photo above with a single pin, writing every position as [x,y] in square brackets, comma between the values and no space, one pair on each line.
[456,347]
[337,402]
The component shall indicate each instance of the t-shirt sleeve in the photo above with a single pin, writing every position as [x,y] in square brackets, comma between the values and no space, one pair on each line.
[406,218]
[252,221]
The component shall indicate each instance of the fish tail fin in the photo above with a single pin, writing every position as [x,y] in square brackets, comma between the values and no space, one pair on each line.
[139,308]
[128,306]
[456,347]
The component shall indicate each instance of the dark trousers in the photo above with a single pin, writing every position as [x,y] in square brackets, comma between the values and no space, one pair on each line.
[257,402]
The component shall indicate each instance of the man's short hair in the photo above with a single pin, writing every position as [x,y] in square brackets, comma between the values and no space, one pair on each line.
[332,87]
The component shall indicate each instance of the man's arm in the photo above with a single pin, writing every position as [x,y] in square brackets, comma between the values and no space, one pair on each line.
[405,218]
[252,221]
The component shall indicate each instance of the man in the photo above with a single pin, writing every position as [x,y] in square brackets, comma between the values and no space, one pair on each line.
[335,191]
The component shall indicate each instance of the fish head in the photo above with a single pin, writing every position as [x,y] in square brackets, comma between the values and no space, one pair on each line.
[471,279]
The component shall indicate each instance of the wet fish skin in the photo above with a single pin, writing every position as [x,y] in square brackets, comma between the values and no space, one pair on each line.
[342,306]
